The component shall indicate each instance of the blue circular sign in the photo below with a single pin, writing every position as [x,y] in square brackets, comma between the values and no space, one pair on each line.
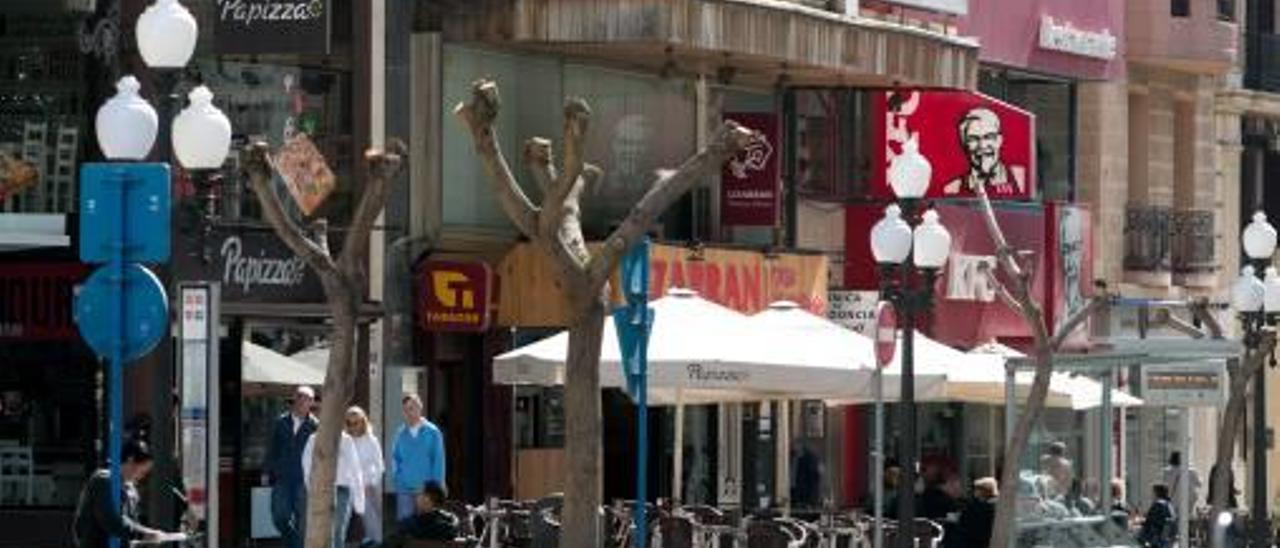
[133,315]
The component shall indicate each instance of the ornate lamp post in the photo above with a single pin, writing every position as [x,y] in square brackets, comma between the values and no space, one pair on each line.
[909,261]
[1258,304]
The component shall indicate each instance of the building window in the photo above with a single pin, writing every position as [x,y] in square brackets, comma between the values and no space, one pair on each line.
[833,144]
[1180,8]
[1053,103]
[1227,10]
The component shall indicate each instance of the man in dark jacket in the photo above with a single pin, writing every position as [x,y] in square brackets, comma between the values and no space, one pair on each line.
[96,518]
[429,522]
[284,467]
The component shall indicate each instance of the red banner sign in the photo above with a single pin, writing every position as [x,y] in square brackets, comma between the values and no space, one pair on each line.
[455,296]
[35,301]
[968,138]
[749,182]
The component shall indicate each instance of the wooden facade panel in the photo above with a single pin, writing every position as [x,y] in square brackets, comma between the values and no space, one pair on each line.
[758,36]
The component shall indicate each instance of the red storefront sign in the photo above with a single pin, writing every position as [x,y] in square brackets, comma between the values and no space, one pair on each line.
[967,312]
[455,296]
[968,138]
[749,181]
[35,301]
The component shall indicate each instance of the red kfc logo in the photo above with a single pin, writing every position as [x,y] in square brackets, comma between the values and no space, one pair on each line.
[971,141]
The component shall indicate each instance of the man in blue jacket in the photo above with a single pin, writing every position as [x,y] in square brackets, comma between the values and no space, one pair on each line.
[417,456]
[284,467]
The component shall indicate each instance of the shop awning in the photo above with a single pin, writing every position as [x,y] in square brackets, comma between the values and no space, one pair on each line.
[19,231]
[757,40]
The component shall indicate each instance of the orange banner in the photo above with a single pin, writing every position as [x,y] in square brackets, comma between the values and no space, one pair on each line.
[746,281]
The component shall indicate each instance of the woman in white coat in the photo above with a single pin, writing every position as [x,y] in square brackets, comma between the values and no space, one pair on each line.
[349,493]
[372,468]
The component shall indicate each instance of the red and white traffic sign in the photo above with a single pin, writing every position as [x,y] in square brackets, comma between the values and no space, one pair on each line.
[886,333]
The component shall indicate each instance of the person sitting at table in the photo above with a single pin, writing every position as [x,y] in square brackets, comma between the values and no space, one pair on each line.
[974,528]
[892,477]
[1160,526]
[429,521]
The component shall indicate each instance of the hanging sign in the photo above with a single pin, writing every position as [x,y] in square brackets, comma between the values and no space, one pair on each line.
[272,26]
[305,173]
[749,181]
[855,310]
[455,296]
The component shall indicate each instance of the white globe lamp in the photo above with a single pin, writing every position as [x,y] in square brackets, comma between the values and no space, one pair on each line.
[910,172]
[932,242]
[167,35]
[1259,238]
[126,124]
[891,237]
[1249,293]
[201,132]
[1271,296]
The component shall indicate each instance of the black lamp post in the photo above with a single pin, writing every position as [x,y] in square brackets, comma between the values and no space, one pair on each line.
[909,260]
[1256,296]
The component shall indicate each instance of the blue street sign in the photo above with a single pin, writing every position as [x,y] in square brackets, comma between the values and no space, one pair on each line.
[634,323]
[124,212]
[138,327]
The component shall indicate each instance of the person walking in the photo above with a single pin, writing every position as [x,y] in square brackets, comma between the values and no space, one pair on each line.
[1160,527]
[284,467]
[417,455]
[348,493]
[371,468]
[97,520]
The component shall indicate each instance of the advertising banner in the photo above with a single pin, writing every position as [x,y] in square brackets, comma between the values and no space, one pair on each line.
[749,182]
[969,140]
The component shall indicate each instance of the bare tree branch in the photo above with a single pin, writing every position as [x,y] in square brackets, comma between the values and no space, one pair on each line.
[558,228]
[1186,328]
[479,116]
[1002,292]
[577,118]
[670,185]
[1075,319]
[383,167]
[1200,311]
[539,159]
[257,165]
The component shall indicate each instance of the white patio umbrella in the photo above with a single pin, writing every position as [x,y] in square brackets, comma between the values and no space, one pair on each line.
[263,365]
[1065,389]
[699,352]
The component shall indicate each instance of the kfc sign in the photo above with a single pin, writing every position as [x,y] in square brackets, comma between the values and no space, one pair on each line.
[969,139]
[749,181]
[455,296]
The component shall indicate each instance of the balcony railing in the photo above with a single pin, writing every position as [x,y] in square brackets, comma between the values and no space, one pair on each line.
[1262,61]
[1193,244]
[1147,239]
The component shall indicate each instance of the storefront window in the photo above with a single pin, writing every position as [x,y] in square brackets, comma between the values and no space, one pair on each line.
[1053,104]
[531,107]
[640,124]
[833,132]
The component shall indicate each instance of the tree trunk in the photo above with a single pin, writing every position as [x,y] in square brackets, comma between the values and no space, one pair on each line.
[1001,531]
[1232,419]
[580,521]
[338,386]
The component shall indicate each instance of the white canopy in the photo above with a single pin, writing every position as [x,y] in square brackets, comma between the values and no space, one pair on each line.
[1065,389]
[266,366]
[701,352]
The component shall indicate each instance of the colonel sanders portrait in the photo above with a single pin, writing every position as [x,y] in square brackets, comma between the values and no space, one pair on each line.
[982,140]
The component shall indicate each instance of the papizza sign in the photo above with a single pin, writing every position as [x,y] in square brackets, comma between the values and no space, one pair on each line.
[968,138]
[455,296]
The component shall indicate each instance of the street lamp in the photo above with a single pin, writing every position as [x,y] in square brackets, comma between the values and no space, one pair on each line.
[1256,296]
[909,261]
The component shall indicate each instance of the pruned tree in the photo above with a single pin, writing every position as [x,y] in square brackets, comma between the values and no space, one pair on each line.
[344,278]
[1233,417]
[1014,291]
[555,228]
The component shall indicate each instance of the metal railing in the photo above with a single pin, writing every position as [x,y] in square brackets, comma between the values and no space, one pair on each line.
[1192,242]
[1147,242]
